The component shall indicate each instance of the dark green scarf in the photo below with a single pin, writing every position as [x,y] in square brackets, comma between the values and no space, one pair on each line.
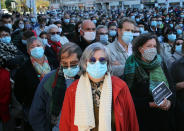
[135,69]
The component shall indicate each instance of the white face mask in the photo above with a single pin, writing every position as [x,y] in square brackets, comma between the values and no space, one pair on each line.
[149,54]
[90,36]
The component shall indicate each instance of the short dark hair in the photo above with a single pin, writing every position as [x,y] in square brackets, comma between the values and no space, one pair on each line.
[141,40]
[70,48]
[4,28]
[28,34]
[57,22]
[5,16]
[125,19]
[111,24]
[43,33]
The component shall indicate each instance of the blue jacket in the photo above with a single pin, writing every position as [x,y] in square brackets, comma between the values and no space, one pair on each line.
[40,114]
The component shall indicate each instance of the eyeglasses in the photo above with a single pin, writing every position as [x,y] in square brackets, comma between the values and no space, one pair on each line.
[53,33]
[102,60]
[71,66]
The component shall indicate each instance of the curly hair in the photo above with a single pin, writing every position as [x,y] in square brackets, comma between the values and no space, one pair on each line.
[141,40]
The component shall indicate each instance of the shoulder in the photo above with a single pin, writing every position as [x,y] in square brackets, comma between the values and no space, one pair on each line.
[118,83]
[73,87]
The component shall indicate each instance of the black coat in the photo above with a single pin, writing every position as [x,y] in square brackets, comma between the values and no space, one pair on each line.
[177,71]
[82,43]
[26,82]
[152,119]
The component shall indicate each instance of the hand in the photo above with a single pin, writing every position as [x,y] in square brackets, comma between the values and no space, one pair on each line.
[166,104]
[180,85]
[153,105]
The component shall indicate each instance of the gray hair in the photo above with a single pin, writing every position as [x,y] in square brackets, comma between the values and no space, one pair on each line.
[31,40]
[125,19]
[90,51]
[100,27]
[51,27]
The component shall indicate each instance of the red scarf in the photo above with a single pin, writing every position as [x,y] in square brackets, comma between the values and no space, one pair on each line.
[5,94]
[55,45]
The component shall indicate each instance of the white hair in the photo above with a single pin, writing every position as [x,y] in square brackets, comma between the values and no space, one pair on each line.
[51,27]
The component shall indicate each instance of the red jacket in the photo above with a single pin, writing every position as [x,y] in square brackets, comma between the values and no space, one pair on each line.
[55,46]
[124,110]
[5,93]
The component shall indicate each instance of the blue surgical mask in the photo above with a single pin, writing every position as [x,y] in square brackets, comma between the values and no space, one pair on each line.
[24,42]
[45,41]
[6,39]
[96,70]
[172,37]
[141,30]
[94,21]
[179,31]
[137,19]
[60,30]
[55,38]
[160,23]
[71,72]
[181,25]
[21,26]
[37,52]
[133,17]
[154,23]
[182,16]
[9,26]
[112,33]
[127,37]
[178,48]
[104,38]
[66,20]
[171,25]
[33,20]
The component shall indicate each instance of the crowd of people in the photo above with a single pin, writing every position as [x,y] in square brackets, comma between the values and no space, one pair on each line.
[92,70]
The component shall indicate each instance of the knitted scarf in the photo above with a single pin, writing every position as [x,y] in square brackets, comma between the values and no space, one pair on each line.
[135,69]
[7,52]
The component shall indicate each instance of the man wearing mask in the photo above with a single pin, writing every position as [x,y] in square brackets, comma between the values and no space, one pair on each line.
[68,28]
[153,25]
[33,21]
[5,35]
[7,21]
[102,34]
[87,34]
[54,38]
[41,27]
[121,49]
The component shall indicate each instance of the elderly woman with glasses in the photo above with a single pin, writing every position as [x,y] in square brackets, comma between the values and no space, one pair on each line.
[98,101]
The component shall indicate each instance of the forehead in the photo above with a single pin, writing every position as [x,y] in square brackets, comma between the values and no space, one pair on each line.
[4,32]
[150,42]
[128,25]
[65,57]
[99,53]
[35,43]
[88,25]
[112,27]
[103,30]
[53,29]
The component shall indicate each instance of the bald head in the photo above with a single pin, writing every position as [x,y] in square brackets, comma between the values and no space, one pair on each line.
[87,24]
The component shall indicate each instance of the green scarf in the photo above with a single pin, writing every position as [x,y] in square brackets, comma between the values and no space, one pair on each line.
[135,69]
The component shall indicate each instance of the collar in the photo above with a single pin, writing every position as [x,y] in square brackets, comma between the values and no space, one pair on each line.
[152,29]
